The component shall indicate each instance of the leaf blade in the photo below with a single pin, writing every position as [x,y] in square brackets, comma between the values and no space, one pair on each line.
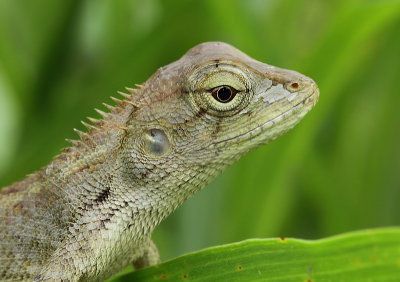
[372,255]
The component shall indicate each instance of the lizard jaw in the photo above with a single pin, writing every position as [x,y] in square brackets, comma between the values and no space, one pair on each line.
[305,106]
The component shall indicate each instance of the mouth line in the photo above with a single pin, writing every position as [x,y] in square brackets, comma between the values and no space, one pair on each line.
[261,127]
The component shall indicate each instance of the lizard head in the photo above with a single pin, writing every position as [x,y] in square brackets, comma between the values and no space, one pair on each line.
[197,115]
[217,100]
[248,102]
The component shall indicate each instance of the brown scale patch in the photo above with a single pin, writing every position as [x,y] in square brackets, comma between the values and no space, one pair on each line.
[217,129]
[80,168]
[92,168]
[200,113]
[63,157]
[18,206]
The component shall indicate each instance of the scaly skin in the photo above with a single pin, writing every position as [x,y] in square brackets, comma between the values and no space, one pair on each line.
[91,211]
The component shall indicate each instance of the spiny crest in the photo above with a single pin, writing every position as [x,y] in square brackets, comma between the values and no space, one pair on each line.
[74,142]
[83,135]
[86,137]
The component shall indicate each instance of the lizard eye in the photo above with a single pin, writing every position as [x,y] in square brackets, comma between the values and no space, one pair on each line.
[223,100]
[222,91]
[224,94]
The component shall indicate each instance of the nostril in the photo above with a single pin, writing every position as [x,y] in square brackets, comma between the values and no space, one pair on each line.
[294,86]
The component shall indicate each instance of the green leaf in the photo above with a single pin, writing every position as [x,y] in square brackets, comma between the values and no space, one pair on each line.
[371,255]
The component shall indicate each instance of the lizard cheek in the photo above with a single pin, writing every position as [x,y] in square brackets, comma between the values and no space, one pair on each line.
[156,142]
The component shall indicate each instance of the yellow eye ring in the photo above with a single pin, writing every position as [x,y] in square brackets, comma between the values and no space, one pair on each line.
[223,94]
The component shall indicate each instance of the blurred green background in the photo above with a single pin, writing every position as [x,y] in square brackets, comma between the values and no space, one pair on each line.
[337,171]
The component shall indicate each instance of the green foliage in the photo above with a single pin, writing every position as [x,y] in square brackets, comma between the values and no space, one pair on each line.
[337,171]
[359,256]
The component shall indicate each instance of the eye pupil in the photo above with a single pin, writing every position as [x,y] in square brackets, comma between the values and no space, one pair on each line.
[223,94]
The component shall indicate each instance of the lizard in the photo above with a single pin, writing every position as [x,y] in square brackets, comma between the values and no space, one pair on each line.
[90,212]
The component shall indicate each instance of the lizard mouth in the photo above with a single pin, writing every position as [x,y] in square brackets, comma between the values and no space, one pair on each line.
[310,99]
